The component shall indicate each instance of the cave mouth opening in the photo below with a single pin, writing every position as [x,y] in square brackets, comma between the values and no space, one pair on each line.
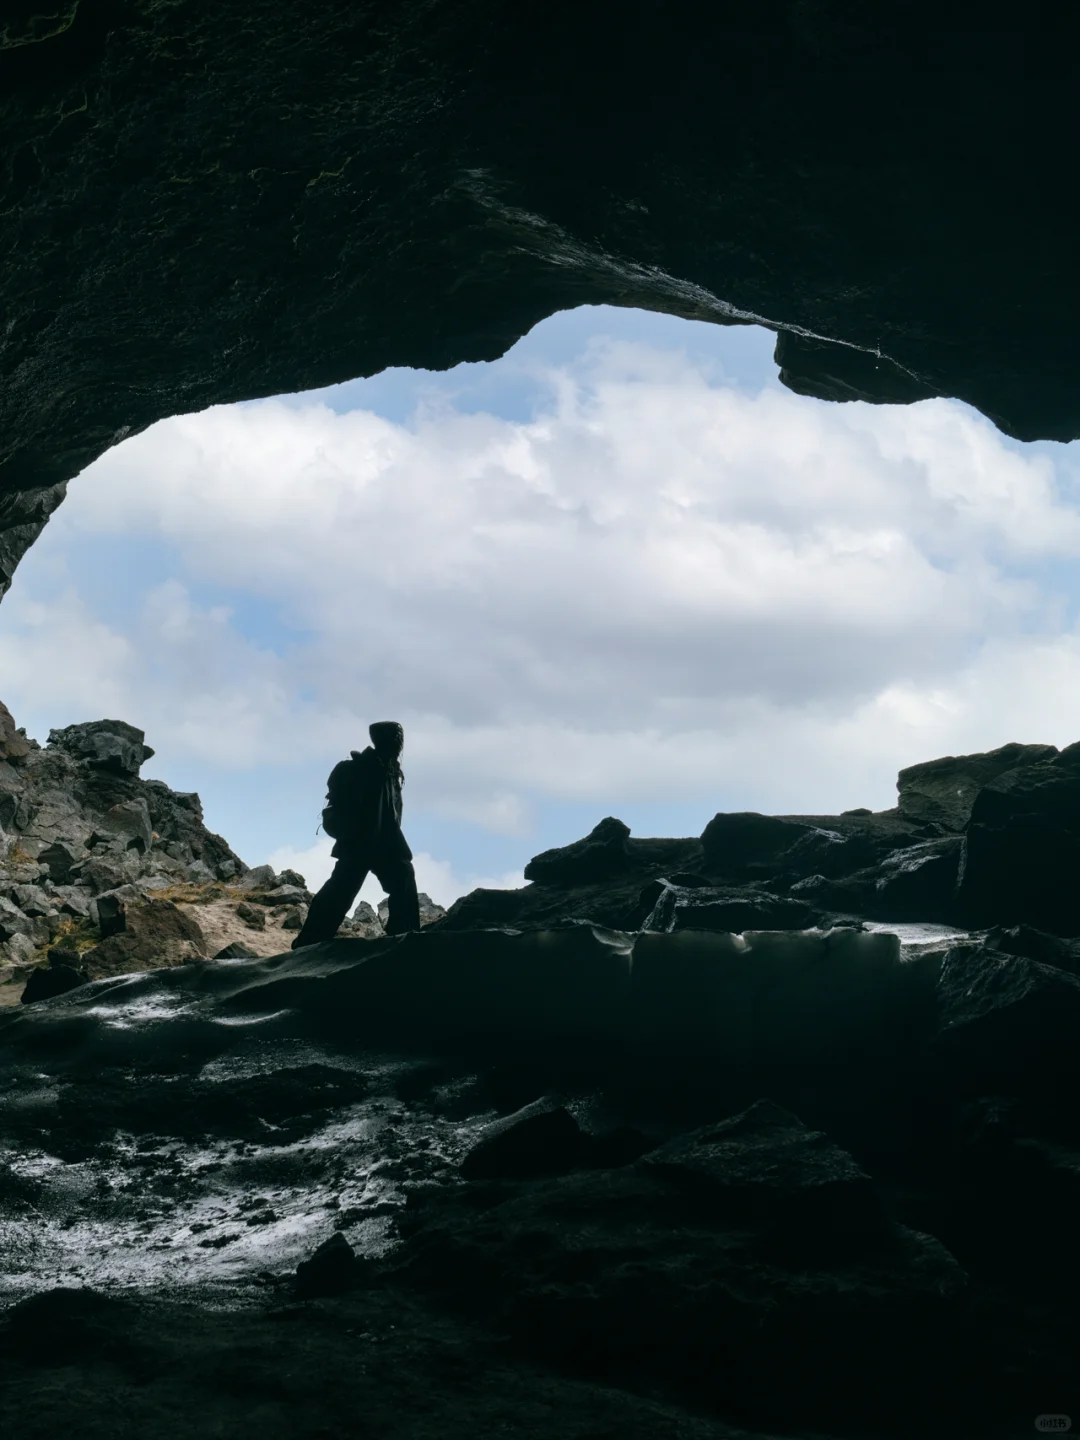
[622,570]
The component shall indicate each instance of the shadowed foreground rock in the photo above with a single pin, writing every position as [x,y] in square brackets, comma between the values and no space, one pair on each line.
[604,1163]
[789,1179]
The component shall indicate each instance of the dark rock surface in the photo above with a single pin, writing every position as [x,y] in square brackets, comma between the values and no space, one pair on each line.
[764,1227]
[541,1139]
[210,204]
[942,791]
[681,1140]
[1021,854]
[13,746]
[333,1269]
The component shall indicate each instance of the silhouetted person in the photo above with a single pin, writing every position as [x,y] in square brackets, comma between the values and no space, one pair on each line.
[363,816]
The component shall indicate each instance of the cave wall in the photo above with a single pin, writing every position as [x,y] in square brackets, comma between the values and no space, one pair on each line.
[206,203]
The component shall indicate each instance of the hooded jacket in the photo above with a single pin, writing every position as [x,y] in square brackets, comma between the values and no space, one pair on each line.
[364,793]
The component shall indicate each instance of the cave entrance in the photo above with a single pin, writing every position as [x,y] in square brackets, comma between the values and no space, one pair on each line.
[620,571]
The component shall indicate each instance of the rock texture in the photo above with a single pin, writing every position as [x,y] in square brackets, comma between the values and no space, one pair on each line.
[987,839]
[205,204]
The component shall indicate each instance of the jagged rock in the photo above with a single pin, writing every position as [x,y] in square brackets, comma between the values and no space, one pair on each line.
[292,877]
[541,1139]
[700,908]
[294,918]
[156,933]
[942,792]
[199,873]
[741,842]
[283,895]
[750,1262]
[483,909]
[60,858]
[104,872]
[12,920]
[130,821]
[333,1269]
[600,855]
[108,911]
[18,948]
[916,883]
[1035,944]
[767,1168]
[364,923]
[32,900]
[1021,850]
[429,911]
[1007,1020]
[13,746]
[111,745]
[259,877]
[72,901]
[236,950]
[45,982]
[252,915]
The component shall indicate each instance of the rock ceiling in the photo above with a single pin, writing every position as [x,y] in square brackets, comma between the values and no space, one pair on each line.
[207,203]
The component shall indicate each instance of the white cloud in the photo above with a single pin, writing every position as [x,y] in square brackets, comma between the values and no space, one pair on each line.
[658,589]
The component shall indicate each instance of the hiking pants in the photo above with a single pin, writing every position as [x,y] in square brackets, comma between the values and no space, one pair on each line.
[334,900]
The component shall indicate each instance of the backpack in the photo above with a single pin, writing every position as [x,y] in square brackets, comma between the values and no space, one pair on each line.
[343,794]
[330,823]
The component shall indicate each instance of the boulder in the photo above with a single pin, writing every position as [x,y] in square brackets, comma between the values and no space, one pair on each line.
[743,843]
[333,1269]
[199,873]
[107,871]
[1007,1021]
[259,877]
[766,1168]
[108,911]
[32,900]
[754,1266]
[60,858]
[1021,850]
[364,922]
[13,746]
[603,853]
[942,792]
[156,933]
[292,877]
[237,950]
[541,1139]
[130,822]
[12,920]
[283,895]
[110,745]
[252,915]
[1034,944]
[48,981]
[429,911]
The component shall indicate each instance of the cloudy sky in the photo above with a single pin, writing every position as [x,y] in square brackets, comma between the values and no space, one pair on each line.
[620,571]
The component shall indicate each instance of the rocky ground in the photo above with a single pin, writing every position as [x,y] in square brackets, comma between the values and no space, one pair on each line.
[769,1133]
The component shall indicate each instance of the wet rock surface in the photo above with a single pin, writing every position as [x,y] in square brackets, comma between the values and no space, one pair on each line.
[688,1137]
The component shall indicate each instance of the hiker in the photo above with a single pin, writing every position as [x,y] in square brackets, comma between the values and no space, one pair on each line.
[363,817]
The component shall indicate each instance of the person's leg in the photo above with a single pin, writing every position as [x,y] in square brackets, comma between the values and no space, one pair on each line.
[398,879]
[331,904]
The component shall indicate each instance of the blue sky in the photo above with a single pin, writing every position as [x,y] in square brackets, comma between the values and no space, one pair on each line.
[619,571]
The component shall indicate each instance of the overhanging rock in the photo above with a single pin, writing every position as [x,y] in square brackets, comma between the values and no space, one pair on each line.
[208,203]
